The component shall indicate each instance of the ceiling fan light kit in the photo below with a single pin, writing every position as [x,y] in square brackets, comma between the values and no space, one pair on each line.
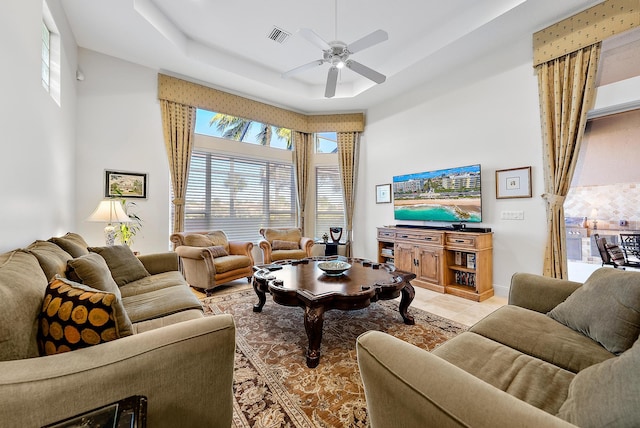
[337,53]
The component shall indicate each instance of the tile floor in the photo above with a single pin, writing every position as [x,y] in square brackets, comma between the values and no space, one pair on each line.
[457,309]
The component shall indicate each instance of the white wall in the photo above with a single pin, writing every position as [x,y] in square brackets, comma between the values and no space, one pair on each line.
[37,166]
[494,122]
[120,128]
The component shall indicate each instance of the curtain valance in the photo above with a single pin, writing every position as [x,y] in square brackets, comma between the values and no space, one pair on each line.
[584,29]
[192,94]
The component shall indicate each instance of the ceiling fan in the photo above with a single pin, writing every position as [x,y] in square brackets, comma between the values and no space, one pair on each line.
[337,54]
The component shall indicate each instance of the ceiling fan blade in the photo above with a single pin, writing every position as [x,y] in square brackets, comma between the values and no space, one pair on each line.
[366,71]
[374,38]
[332,82]
[313,38]
[302,68]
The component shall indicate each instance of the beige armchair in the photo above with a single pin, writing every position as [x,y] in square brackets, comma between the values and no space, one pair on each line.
[284,243]
[209,259]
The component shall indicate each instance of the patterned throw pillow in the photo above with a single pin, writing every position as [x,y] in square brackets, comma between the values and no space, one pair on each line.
[284,245]
[75,316]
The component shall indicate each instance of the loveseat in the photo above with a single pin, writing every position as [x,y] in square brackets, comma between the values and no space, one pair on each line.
[560,354]
[82,327]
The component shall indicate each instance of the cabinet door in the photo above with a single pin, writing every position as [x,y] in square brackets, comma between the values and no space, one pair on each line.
[429,261]
[403,254]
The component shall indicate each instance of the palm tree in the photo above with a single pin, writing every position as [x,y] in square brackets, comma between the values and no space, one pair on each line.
[235,128]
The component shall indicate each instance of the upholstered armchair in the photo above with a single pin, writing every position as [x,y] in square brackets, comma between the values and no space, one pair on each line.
[209,259]
[284,243]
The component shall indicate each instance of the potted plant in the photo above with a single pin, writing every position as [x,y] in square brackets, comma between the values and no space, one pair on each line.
[127,231]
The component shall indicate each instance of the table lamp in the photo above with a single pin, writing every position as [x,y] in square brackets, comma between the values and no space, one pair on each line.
[594,216]
[108,211]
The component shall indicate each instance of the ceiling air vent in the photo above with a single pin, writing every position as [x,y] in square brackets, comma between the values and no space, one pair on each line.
[279,35]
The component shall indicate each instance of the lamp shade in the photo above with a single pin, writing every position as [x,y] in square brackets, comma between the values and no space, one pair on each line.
[108,211]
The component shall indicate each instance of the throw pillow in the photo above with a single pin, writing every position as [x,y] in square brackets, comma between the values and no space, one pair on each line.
[606,394]
[284,245]
[92,270]
[52,258]
[197,240]
[606,308]
[72,243]
[218,251]
[75,316]
[615,254]
[123,264]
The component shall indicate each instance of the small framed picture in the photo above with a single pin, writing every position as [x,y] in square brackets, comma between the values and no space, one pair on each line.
[458,258]
[471,261]
[125,184]
[383,194]
[513,183]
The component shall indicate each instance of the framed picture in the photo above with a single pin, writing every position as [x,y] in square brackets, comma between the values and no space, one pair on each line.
[471,261]
[458,258]
[383,194]
[125,184]
[513,183]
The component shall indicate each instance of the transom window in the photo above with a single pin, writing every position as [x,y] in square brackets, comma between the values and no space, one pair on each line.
[326,142]
[240,129]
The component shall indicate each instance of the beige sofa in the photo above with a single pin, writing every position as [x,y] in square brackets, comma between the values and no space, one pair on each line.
[560,354]
[158,344]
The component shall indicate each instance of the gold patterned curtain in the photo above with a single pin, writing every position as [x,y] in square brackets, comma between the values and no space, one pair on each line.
[178,124]
[301,153]
[567,92]
[348,150]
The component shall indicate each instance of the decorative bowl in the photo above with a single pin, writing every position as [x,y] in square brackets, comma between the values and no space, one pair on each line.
[334,268]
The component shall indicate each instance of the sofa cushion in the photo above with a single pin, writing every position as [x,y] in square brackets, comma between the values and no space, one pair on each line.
[606,308]
[72,243]
[538,335]
[159,303]
[123,264]
[607,394]
[292,234]
[529,379]
[197,240]
[22,286]
[52,258]
[92,270]
[217,251]
[285,245]
[75,316]
[229,263]
[152,283]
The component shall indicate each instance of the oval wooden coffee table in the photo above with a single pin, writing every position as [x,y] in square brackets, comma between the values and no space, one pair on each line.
[302,283]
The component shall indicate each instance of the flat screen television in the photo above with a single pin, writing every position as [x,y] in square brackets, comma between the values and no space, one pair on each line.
[445,195]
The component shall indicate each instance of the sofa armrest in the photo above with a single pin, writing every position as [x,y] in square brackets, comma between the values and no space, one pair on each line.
[406,386]
[539,293]
[241,248]
[306,244]
[160,262]
[185,370]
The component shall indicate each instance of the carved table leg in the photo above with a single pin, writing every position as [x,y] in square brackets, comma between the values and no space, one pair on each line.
[408,293]
[313,320]
[262,297]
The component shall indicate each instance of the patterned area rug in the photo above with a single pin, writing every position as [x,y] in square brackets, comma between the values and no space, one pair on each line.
[273,385]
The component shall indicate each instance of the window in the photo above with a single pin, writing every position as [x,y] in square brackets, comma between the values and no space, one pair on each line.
[329,199]
[326,142]
[46,56]
[244,130]
[238,195]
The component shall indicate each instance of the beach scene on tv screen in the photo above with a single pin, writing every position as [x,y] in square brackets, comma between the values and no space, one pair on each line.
[447,195]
